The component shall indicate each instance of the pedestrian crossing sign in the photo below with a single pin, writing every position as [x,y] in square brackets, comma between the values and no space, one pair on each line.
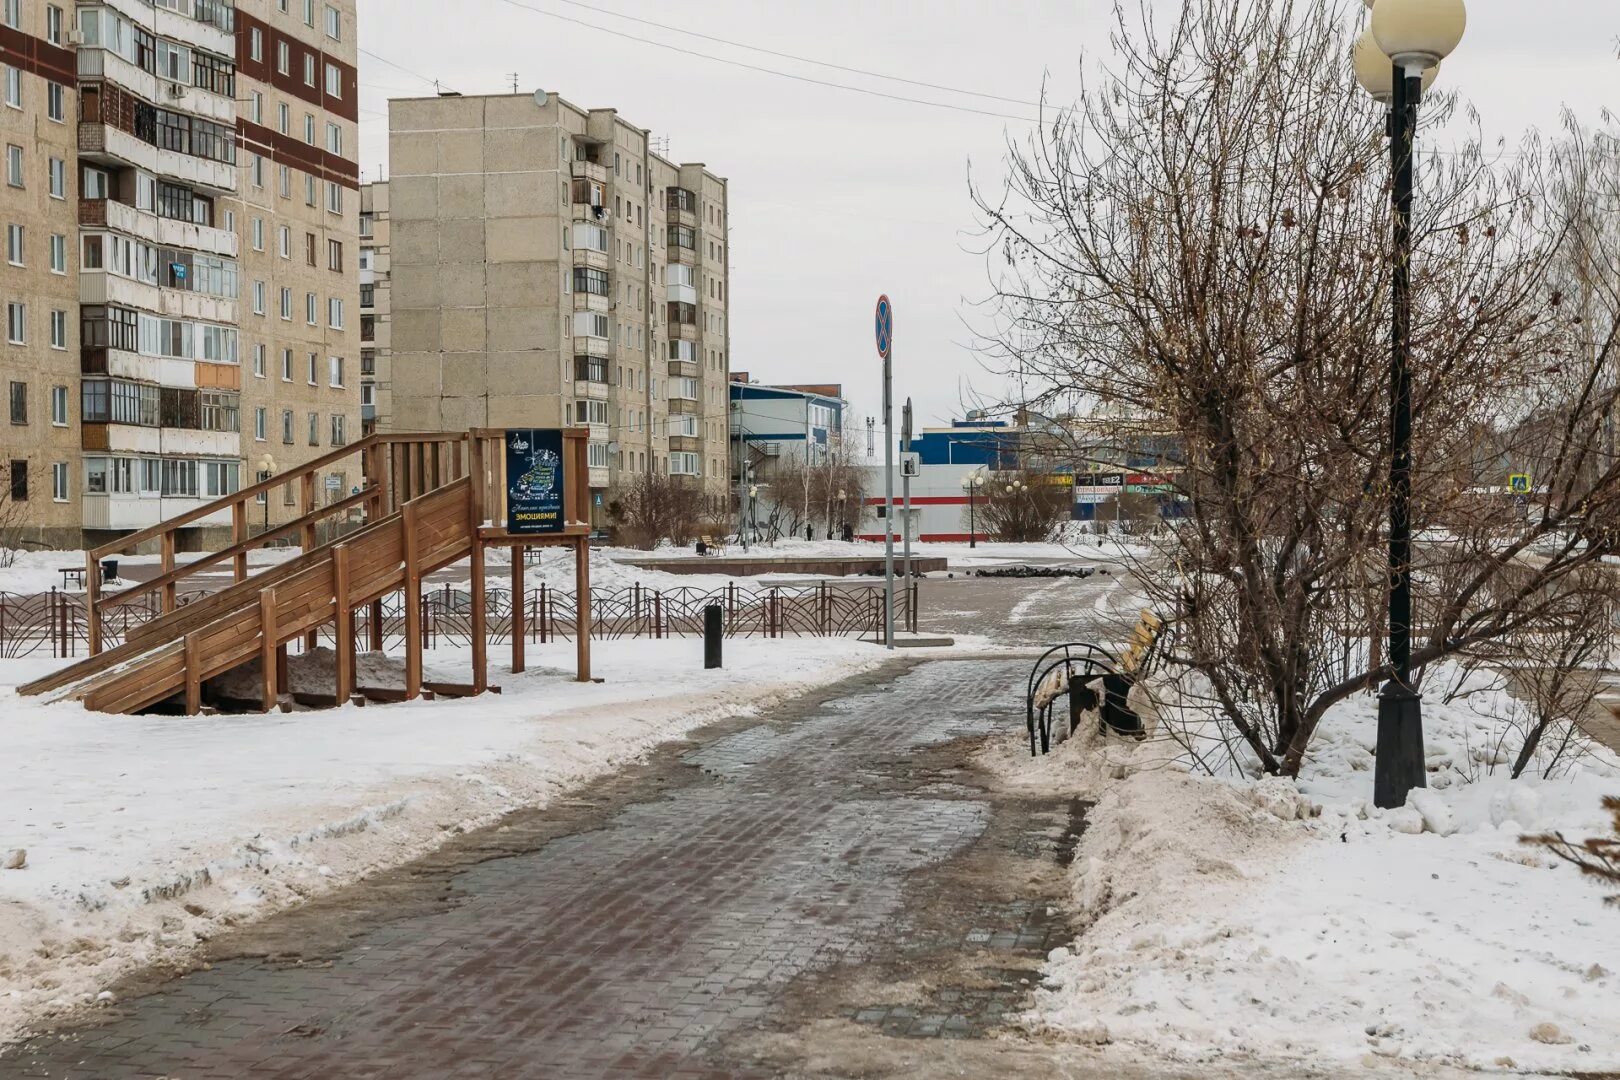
[1519,483]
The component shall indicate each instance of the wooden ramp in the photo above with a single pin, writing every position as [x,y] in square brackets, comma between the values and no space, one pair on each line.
[172,655]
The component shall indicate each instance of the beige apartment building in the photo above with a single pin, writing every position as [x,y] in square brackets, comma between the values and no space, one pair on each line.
[376,393]
[39,279]
[547,267]
[182,222]
[298,88]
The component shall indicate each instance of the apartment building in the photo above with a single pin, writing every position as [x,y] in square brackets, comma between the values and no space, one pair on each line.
[298,89]
[548,267]
[39,354]
[182,222]
[376,393]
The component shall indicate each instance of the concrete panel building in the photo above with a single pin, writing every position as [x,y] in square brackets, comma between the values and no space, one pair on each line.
[376,394]
[181,207]
[547,267]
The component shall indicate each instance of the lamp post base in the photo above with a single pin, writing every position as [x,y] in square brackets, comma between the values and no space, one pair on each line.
[1399,766]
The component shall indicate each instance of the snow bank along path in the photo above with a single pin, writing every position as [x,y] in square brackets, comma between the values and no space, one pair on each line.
[146,835]
[1295,921]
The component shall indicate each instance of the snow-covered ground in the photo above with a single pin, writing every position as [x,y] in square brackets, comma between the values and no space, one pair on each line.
[1296,921]
[145,835]
[1075,545]
[40,571]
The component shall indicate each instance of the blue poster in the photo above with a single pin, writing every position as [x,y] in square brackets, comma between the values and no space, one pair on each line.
[534,480]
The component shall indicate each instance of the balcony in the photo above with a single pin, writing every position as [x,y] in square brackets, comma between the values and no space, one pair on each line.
[685,369]
[588,170]
[591,346]
[689,443]
[159,230]
[129,511]
[681,205]
[683,331]
[101,287]
[106,145]
[589,301]
[98,63]
[683,294]
[596,260]
[598,476]
[685,407]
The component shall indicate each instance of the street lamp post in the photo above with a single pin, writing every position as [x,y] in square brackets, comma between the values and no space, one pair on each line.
[843,511]
[970,484]
[753,511]
[267,469]
[1413,36]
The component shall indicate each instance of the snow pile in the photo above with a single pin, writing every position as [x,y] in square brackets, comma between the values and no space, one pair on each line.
[1295,921]
[146,835]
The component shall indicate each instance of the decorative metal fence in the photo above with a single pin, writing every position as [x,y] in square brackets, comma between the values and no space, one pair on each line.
[54,622]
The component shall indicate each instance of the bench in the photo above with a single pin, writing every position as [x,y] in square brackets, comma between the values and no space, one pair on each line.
[74,574]
[711,545]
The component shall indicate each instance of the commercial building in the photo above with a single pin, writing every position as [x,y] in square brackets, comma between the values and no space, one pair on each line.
[181,215]
[547,267]
[770,424]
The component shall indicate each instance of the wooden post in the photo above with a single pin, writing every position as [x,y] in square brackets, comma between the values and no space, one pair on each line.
[307,494]
[413,605]
[167,563]
[375,625]
[269,668]
[582,607]
[92,602]
[345,623]
[239,535]
[282,678]
[475,520]
[518,600]
[193,676]
[544,614]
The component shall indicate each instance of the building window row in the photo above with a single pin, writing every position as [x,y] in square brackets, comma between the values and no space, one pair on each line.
[169,268]
[110,327]
[105,28]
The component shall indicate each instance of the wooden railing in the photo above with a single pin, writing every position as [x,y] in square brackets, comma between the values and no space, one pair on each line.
[396,469]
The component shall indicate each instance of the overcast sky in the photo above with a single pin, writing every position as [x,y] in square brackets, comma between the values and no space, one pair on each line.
[837,196]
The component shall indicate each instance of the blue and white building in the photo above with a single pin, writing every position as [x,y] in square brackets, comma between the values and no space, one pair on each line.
[775,423]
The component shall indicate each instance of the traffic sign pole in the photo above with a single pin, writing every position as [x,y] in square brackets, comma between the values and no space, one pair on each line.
[885,345]
[905,489]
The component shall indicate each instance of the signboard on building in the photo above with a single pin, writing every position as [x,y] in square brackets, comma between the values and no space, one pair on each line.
[534,480]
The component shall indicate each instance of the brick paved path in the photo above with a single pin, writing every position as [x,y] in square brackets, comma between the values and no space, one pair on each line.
[630,949]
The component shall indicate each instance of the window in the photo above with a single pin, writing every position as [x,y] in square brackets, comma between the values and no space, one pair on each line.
[258,234]
[368,295]
[284,242]
[258,297]
[286,182]
[17,323]
[258,361]
[309,189]
[53,24]
[258,173]
[256,44]
[14,244]
[368,222]
[309,69]
[314,366]
[56,102]
[19,481]
[59,406]
[19,403]
[220,478]
[283,59]
[340,434]
[310,304]
[368,327]
[59,330]
[262,497]
[590,236]
[284,117]
[13,87]
[334,137]
[334,198]
[309,129]
[309,12]
[13,14]
[334,24]
[590,324]
[258,423]
[591,281]
[179,477]
[334,81]
[58,246]
[287,426]
[256,107]
[309,248]
[596,455]
[59,481]
[286,303]
[93,182]
[334,255]
[14,165]
[683,464]
[286,365]
[334,312]
[314,429]
[334,366]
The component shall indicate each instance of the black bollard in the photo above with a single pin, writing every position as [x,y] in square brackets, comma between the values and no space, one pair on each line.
[713,631]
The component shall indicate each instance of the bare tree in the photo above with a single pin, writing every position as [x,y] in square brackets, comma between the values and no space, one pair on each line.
[1597,856]
[1203,240]
[1023,506]
[13,522]
[648,508]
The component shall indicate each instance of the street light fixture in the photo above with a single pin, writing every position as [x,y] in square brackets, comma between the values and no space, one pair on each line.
[971,484]
[267,468]
[1415,35]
